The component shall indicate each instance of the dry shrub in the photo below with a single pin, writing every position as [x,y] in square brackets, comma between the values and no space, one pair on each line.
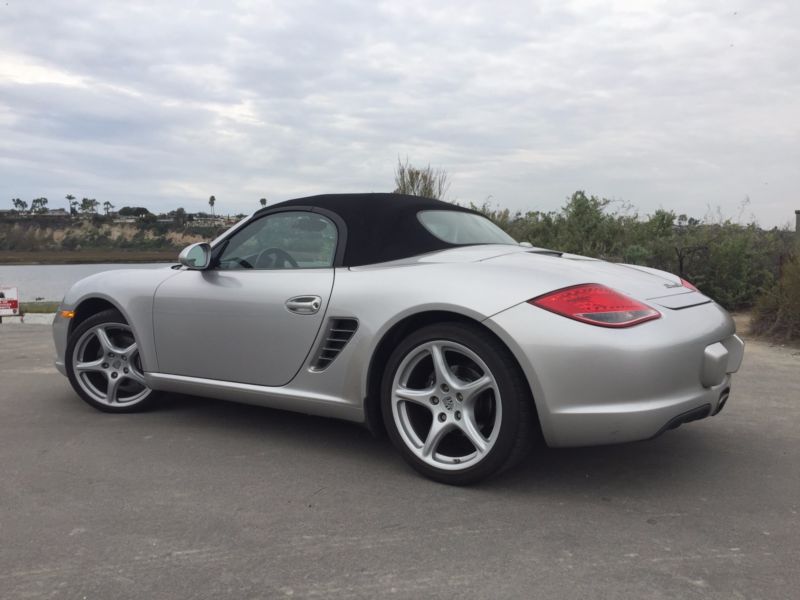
[777,311]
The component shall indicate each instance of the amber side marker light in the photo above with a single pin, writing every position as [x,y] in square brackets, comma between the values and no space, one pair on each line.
[596,304]
[67,314]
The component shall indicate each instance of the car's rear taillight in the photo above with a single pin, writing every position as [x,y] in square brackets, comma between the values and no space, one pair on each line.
[686,284]
[597,305]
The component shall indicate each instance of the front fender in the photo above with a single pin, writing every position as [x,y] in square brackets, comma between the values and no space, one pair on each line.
[131,291]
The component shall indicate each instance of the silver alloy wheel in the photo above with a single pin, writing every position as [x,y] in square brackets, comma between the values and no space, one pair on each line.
[107,366]
[463,400]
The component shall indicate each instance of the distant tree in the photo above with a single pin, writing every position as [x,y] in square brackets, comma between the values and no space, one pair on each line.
[427,182]
[179,215]
[89,206]
[133,211]
[586,228]
[73,204]
[688,242]
[107,207]
[263,201]
[19,205]
[39,206]
[211,202]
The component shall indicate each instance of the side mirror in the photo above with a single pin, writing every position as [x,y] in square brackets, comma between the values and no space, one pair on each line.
[196,256]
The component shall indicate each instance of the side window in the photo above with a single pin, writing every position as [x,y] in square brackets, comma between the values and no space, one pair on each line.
[286,240]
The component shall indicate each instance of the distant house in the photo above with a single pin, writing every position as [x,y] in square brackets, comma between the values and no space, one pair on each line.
[199,221]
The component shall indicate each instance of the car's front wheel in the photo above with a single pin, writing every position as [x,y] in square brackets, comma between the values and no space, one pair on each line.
[104,365]
[456,405]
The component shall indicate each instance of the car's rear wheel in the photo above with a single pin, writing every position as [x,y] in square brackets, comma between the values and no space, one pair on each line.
[104,365]
[455,404]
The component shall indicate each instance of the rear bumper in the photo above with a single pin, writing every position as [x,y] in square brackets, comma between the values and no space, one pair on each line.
[612,423]
[593,385]
[696,414]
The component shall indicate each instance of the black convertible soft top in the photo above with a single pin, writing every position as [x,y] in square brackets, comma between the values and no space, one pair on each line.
[378,227]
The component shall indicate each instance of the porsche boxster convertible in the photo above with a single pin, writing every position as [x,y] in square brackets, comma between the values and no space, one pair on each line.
[415,317]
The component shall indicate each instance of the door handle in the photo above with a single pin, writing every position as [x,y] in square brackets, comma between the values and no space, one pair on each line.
[304,305]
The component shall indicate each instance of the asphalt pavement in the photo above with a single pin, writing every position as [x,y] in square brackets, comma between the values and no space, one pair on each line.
[208,499]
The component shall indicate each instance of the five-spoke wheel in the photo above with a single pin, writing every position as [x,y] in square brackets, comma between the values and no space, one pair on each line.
[446,404]
[104,365]
[455,405]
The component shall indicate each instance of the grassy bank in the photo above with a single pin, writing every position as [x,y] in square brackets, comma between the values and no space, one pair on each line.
[88,256]
[38,307]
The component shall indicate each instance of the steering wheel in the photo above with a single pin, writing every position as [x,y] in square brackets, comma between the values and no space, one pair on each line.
[274,258]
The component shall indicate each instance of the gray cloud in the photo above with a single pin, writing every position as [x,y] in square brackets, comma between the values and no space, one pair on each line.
[673,104]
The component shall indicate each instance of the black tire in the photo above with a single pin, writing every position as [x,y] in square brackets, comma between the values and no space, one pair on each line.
[89,385]
[517,427]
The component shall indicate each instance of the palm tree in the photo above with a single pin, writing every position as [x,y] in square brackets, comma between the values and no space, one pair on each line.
[263,201]
[73,204]
[107,206]
[211,202]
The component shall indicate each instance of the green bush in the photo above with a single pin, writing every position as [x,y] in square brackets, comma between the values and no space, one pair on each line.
[731,262]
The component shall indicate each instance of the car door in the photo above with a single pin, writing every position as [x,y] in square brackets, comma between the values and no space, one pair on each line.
[253,316]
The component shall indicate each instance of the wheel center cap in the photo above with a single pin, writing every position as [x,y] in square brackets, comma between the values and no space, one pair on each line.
[448,402]
[117,364]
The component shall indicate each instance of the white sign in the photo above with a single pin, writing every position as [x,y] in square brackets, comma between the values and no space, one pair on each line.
[9,302]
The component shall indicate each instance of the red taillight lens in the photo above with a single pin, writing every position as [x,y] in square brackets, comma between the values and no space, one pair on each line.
[686,284]
[596,304]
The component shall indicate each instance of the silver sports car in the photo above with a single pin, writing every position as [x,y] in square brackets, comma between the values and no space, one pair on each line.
[414,317]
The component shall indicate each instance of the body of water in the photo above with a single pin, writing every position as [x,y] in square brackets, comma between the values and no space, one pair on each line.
[50,282]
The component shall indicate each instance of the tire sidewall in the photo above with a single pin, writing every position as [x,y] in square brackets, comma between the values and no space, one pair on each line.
[498,360]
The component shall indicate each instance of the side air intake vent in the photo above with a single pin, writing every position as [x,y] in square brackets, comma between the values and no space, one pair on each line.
[337,334]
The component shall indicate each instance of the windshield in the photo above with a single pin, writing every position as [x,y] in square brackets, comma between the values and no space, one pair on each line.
[462,228]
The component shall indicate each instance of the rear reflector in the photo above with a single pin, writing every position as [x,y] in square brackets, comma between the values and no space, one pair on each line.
[597,305]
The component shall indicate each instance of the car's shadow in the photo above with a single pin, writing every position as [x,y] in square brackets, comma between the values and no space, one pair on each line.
[676,459]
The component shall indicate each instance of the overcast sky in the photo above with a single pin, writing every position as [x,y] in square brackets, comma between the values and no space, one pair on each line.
[674,104]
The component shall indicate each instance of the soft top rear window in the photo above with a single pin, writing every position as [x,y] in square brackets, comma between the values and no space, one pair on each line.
[462,228]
